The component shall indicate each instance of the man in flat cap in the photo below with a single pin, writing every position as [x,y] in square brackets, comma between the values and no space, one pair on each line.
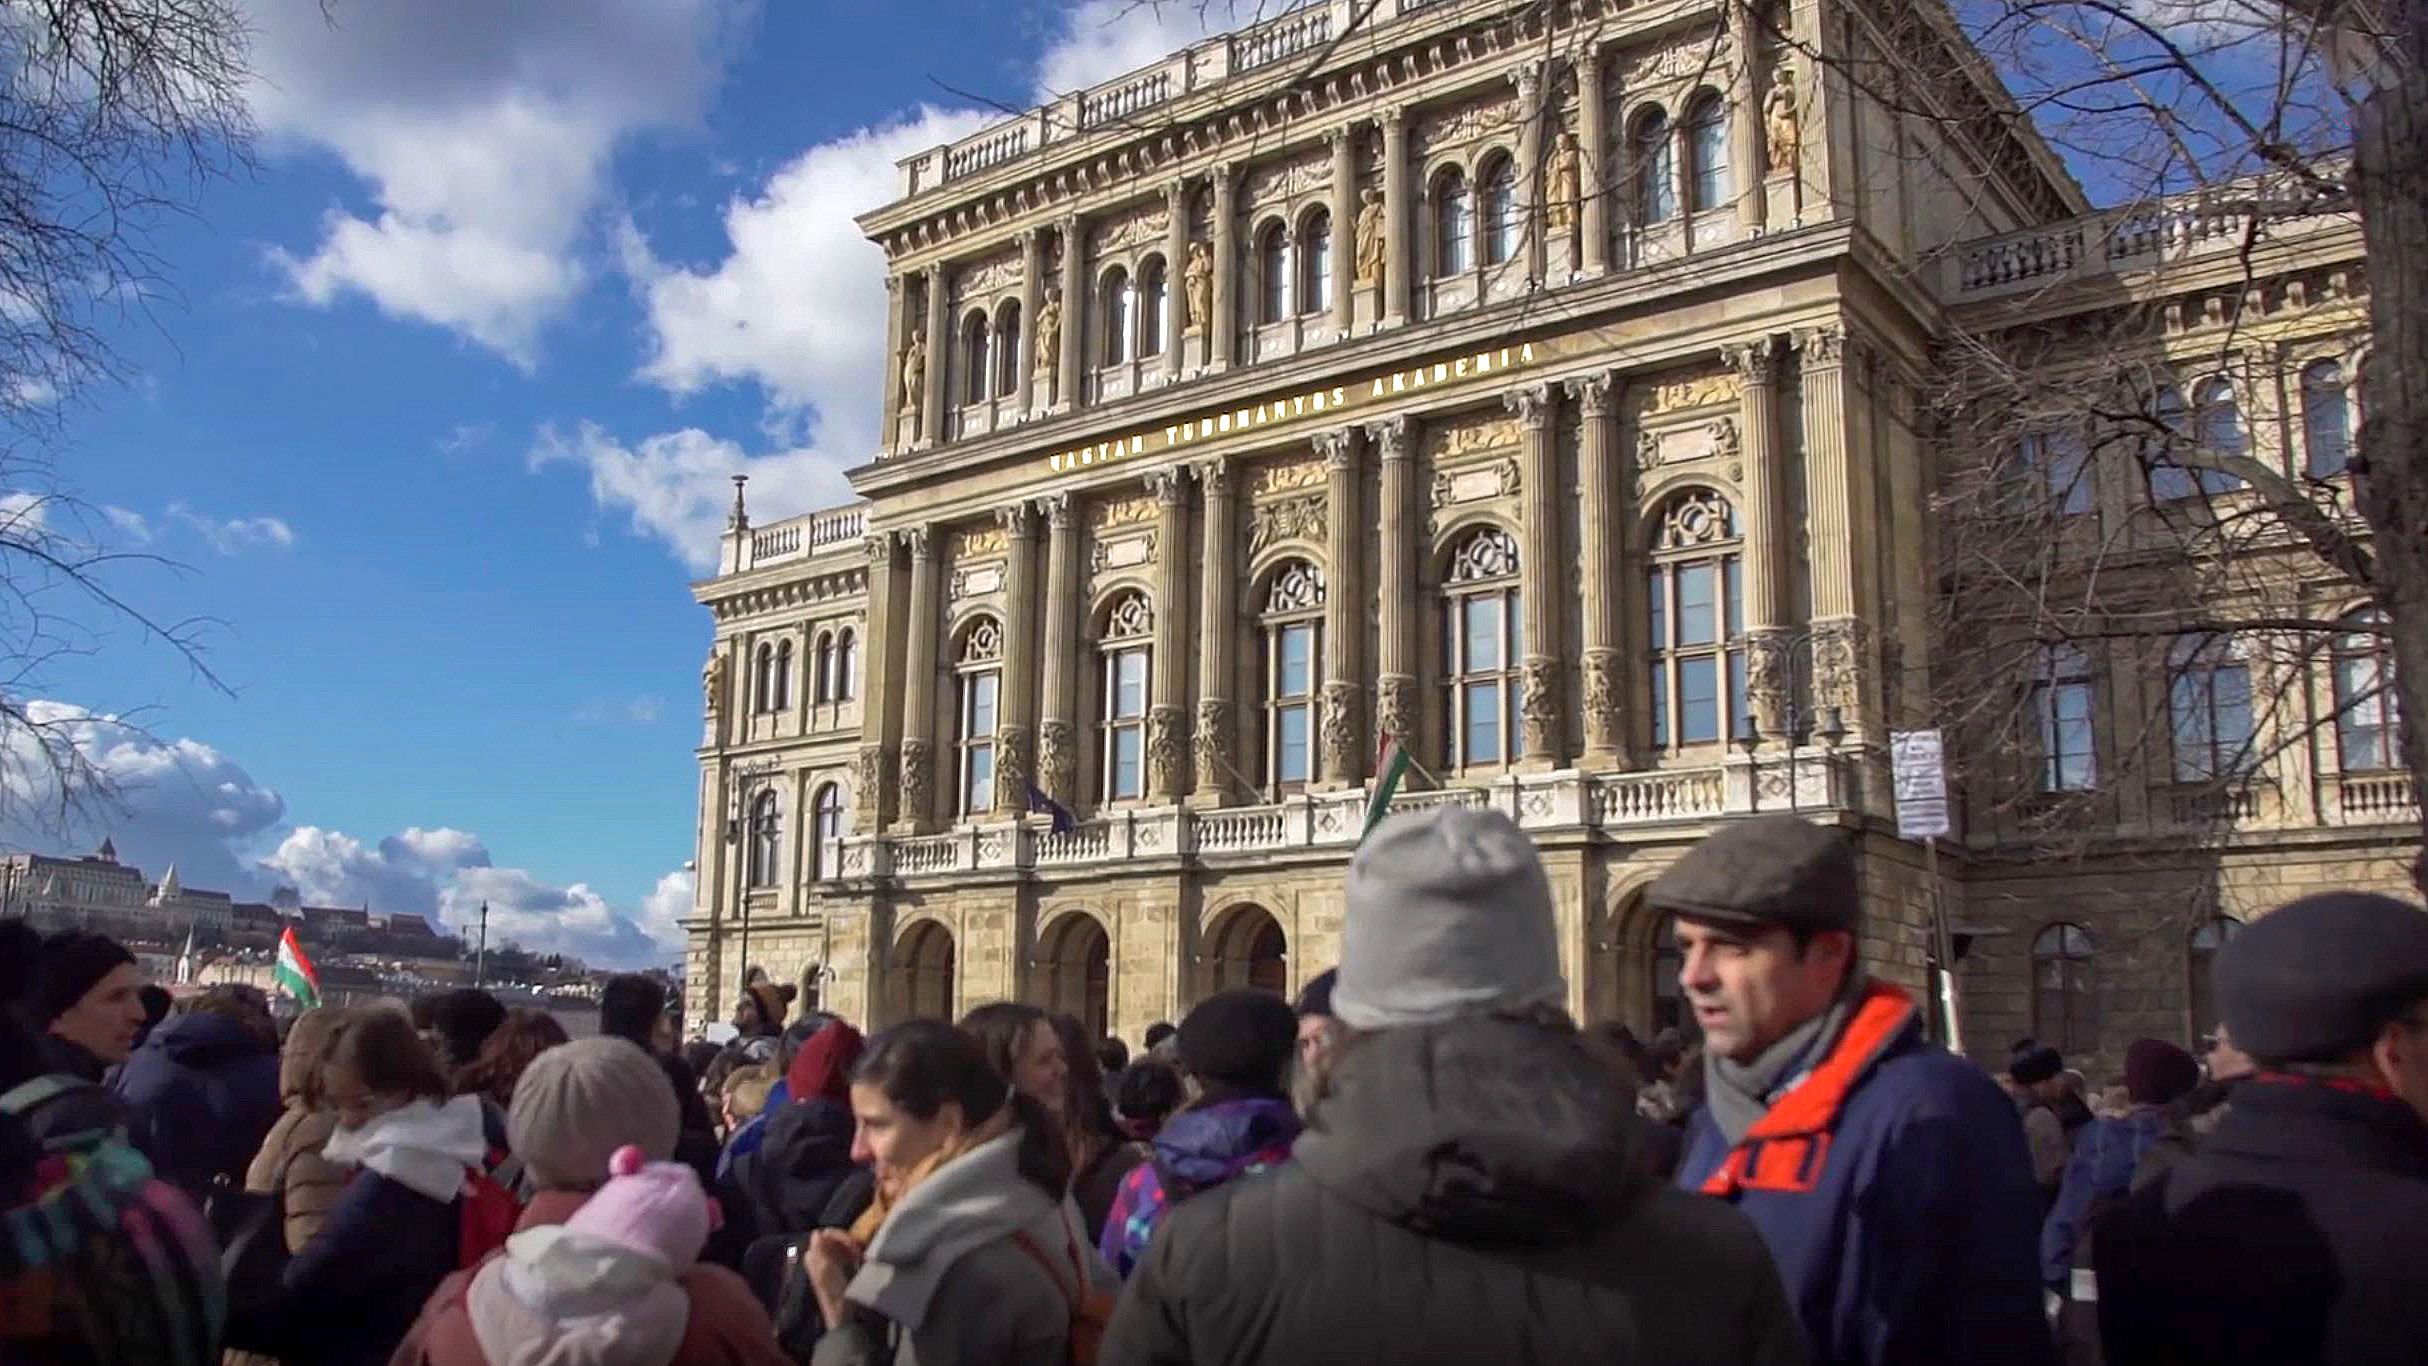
[1888,1177]
[2298,1230]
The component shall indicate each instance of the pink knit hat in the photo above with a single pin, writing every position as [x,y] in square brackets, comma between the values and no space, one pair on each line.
[655,1208]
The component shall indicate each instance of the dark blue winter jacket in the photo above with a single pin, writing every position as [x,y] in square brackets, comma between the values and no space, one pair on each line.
[355,1289]
[2106,1152]
[200,1095]
[1892,1186]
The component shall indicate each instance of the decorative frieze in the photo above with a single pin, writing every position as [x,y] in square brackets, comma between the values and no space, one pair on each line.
[1123,552]
[1496,480]
[1681,390]
[1475,121]
[980,542]
[1288,179]
[1303,517]
[994,275]
[1469,435]
[1122,232]
[1273,480]
[1120,512]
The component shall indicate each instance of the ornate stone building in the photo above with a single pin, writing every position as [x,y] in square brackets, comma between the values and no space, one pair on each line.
[1542,386]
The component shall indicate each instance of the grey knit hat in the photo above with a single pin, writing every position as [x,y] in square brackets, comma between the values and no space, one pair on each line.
[578,1102]
[1449,915]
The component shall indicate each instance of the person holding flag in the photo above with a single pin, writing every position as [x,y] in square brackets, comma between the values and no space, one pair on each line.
[293,973]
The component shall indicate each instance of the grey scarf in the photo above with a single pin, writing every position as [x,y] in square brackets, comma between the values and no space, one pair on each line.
[1740,1092]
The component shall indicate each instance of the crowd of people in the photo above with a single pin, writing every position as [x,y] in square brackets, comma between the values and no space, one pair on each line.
[1423,1158]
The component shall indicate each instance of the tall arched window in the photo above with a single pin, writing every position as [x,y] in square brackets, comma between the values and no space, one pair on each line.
[2368,720]
[2219,420]
[2208,938]
[1007,348]
[826,833]
[1118,321]
[824,687]
[783,694]
[847,666]
[1707,153]
[1656,168]
[1122,709]
[2208,708]
[1696,621]
[1154,306]
[1453,223]
[977,358]
[1501,222]
[763,678]
[1315,263]
[1293,639]
[2061,717]
[979,676]
[2065,1007]
[1484,637]
[2326,420]
[766,841]
[1273,273]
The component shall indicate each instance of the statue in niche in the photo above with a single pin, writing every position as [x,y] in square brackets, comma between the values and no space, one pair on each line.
[914,372]
[1779,124]
[1197,282]
[712,683]
[1049,333]
[1370,237]
[1566,183]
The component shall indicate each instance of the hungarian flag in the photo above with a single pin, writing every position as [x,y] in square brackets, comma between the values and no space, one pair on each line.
[1389,768]
[294,974]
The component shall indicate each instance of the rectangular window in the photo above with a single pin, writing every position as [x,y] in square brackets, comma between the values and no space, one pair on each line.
[1130,683]
[1292,653]
[1125,706]
[1481,619]
[1698,700]
[1297,661]
[2210,708]
[1656,598]
[1738,707]
[1290,746]
[1733,596]
[1696,621]
[1129,764]
[1483,724]
[2064,709]
[2365,722]
[978,706]
[1661,737]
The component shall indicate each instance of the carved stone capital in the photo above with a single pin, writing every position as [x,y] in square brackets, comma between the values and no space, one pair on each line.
[1167,750]
[1769,669]
[1605,714]
[879,548]
[1390,436]
[1214,476]
[1057,510]
[918,541]
[1594,394]
[1211,744]
[1395,708]
[893,286]
[1756,361]
[1528,78]
[1020,520]
[1822,348]
[1395,115]
[918,780]
[1057,760]
[1838,665]
[1340,730]
[1338,448]
[1539,704]
[1533,405]
[1167,486]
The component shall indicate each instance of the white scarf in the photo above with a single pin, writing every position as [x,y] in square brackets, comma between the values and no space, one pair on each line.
[423,1146]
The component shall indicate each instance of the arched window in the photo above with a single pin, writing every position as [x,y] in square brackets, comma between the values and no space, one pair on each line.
[1122,710]
[1273,273]
[2061,717]
[979,678]
[2214,426]
[847,666]
[1292,619]
[763,680]
[2208,708]
[2065,1007]
[766,840]
[825,685]
[977,358]
[1453,223]
[1119,307]
[2208,938]
[1154,306]
[1697,622]
[826,833]
[1501,222]
[783,696]
[1315,263]
[1007,348]
[1484,637]
[2368,720]
[2326,420]
[1707,153]
[1656,169]
[2220,425]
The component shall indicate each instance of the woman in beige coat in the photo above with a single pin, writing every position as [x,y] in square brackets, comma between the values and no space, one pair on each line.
[312,1182]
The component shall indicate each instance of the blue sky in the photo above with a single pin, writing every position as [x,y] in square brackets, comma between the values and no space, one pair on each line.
[438,410]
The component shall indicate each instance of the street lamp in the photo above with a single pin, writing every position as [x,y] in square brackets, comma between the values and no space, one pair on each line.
[1801,727]
[749,781]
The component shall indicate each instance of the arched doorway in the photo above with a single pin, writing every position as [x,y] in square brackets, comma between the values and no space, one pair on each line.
[923,968]
[1251,951]
[1074,965]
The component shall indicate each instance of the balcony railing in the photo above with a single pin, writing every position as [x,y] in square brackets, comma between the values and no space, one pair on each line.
[2207,223]
[794,537]
[1291,36]
[1113,103]
[2373,799]
[988,149]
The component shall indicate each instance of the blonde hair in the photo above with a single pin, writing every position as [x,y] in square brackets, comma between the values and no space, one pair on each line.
[746,1090]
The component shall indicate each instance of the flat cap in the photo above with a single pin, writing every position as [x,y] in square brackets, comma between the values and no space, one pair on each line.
[2316,979]
[1778,870]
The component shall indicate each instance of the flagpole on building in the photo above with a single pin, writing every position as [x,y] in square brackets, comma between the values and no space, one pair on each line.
[480,955]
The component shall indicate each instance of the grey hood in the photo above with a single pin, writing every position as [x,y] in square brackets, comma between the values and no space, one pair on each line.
[977,1199]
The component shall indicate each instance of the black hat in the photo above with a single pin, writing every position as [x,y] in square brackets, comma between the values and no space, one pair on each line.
[1771,870]
[1315,998]
[72,962]
[2035,1063]
[1242,1037]
[464,1018]
[2315,980]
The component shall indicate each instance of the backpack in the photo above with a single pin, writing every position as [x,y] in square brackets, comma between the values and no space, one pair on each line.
[486,1210]
[1091,1309]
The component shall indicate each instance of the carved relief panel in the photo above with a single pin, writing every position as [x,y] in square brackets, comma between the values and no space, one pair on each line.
[1143,227]
[1123,535]
[1472,458]
[1687,416]
[1460,127]
[987,280]
[1282,182]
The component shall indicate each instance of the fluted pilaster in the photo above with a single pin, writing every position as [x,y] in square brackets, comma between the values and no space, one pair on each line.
[1032,298]
[1344,228]
[1217,632]
[1395,683]
[1057,736]
[1600,542]
[939,363]
[872,777]
[1397,261]
[1593,135]
[918,792]
[1223,327]
[1539,575]
[1167,713]
[1769,663]
[1075,313]
[1342,726]
[1017,714]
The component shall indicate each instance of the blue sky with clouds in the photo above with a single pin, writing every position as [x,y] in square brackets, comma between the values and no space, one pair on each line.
[439,415]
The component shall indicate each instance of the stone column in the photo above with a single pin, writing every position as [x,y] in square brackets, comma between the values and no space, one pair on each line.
[1593,179]
[1032,298]
[1175,270]
[918,802]
[1540,576]
[1396,259]
[891,384]
[1075,312]
[1221,328]
[1342,726]
[939,346]
[1016,718]
[1344,229]
[1217,633]
[1395,684]
[872,773]
[1057,736]
[1745,120]
[1834,498]
[1529,81]
[1769,669]
[1167,710]
[1601,548]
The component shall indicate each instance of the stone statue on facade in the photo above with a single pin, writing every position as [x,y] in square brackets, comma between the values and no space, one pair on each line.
[1049,333]
[1370,237]
[1197,282]
[914,372]
[712,683]
[1779,125]
[1566,181]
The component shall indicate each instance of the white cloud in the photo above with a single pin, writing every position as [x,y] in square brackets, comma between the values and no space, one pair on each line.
[131,524]
[638,711]
[24,516]
[676,485]
[235,535]
[1100,39]
[483,132]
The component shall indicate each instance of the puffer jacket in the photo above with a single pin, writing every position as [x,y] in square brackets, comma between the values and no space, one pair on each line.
[200,1095]
[1200,1149]
[1464,1192]
[312,1183]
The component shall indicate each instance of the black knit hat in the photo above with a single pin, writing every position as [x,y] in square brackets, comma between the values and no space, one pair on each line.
[464,1018]
[1315,998]
[72,962]
[2315,980]
[1778,870]
[1241,1037]
[2034,1064]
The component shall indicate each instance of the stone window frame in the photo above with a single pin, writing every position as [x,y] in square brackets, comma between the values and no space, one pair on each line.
[999,385]
[1640,180]
[1707,114]
[763,859]
[2194,665]
[1674,546]
[826,819]
[1313,267]
[1439,263]
[771,679]
[2346,390]
[1140,263]
[2039,483]
[978,664]
[2072,950]
[2383,707]
[1458,591]
[2060,668]
[1006,368]
[1276,619]
[1500,209]
[1124,629]
[1115,315]
[975,339]
[2189,421]
[1151,279]
[1274,274]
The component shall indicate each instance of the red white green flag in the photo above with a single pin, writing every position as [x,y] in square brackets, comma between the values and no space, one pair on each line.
[293,974]
[1389,768]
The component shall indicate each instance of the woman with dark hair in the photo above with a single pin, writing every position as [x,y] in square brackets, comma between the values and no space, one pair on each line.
[1023,1047]
[971,1253]
[524,1035]
[1100,1154]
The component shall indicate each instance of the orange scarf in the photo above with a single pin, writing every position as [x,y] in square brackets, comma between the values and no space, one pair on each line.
[864,1229]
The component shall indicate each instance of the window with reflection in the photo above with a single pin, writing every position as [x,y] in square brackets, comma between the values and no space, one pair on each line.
[1119,323]
[1129,626]
[783,682]
[977,358]
[847,666]
[1154,306]
[2208,708]
[2055,470]
[766,841]
[1315,263]
[2326,420]
[2065,1005]
[1292,622]
[823,688]
[1696,621]
[826,833]
[1007,348]
[1484,639]
[1656,169]
[1453,223]
[978,674]
[2061,718]
[1707,153]
[1502,227]
[1273,273]
[2368,718]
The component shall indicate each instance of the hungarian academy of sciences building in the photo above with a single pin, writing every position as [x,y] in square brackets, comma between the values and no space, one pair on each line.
[1562,391]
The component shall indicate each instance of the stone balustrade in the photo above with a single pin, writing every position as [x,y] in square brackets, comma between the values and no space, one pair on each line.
[795,537]
[2215,222]
[987,149]
[2372,799]
[1124,98]
[1285,38]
